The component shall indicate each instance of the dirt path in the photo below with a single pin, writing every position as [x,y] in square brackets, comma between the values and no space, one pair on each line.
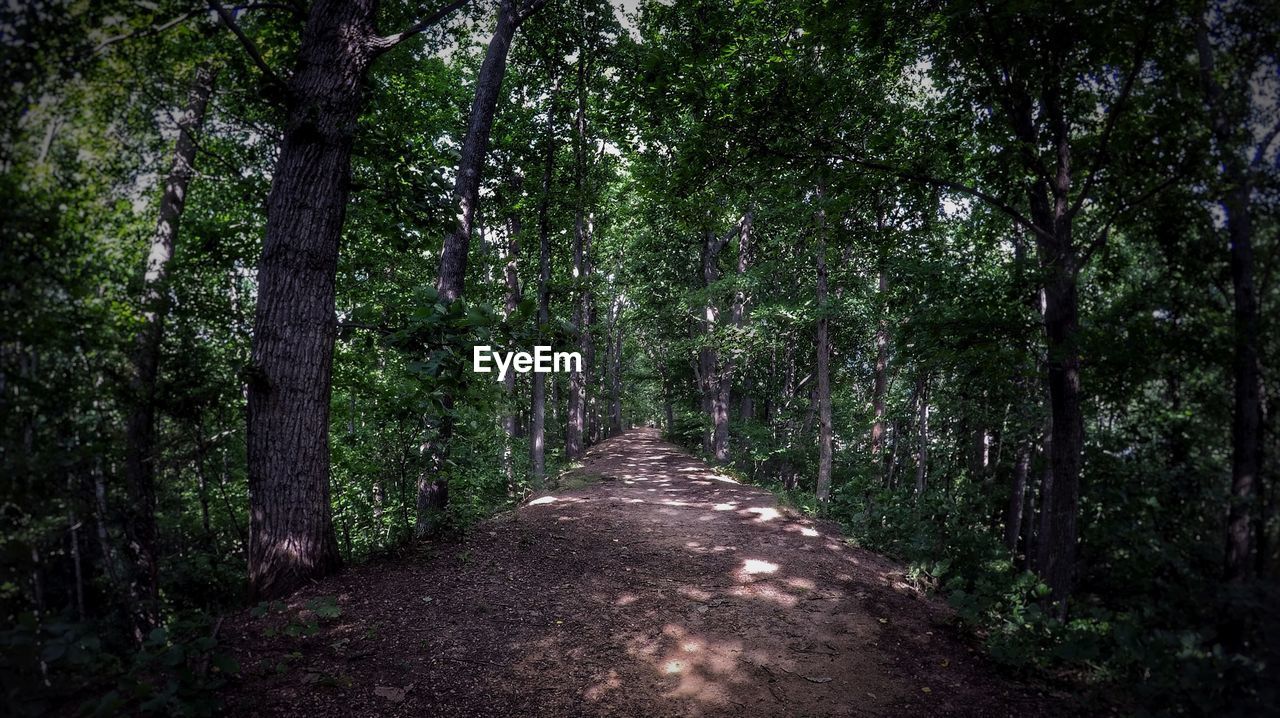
[663,589]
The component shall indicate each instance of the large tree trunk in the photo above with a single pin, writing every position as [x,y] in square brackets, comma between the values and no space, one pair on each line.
[1060,264]
[1246,416]
[822,368]
[291,536]
[140,430]
[433,490]
[1061,498]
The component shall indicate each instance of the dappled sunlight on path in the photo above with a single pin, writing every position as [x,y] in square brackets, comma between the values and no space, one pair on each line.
[661,587]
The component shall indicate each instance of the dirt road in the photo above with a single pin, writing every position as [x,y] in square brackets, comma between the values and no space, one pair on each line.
[658,588]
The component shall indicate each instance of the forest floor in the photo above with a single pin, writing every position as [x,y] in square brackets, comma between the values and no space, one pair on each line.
[655,587]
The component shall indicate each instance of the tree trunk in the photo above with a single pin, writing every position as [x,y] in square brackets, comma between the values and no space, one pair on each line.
[714,378]
[466,188]
[1246,416]
[587,346]
[922,452]
[512,279]
[891,469]
[746,406]
[1017,497]
[1060,265]
[881,390]
[538,401]
[433,491]
[614,367]
[720,417]
[291,537]
[822,368]
[289,385]
[1061,497]
[140,430]
[73,538]
[576,429]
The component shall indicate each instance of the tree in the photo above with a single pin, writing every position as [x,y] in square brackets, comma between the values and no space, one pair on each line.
[1240,159]
[822,366]
[433,491]
[291,537]
[140,452]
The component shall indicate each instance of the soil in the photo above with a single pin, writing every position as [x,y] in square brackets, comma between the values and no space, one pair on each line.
[656,587]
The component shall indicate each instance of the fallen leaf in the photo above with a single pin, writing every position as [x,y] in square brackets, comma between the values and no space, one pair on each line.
[824,679]
[395,695]
[926,689]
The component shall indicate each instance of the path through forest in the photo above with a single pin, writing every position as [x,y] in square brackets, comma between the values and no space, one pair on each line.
[656,588]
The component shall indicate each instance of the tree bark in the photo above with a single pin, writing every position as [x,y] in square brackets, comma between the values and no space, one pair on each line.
[140,429]
[291,536]
[587,346]
[891,469]
[452,275]
[822,368]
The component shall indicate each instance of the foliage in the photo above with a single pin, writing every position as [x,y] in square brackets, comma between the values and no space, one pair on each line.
[874,137]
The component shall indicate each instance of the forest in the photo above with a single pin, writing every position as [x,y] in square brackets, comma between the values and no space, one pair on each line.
[927,357]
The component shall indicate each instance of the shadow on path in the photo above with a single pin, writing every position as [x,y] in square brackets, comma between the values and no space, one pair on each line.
[663,589]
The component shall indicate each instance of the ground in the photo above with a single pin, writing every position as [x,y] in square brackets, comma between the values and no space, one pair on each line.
[656,587]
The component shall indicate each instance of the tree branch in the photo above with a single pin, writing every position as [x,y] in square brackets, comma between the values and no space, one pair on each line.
[1261,153]
[719,243]
[1101,238]
[382,44]
[991,200]
[1117,108]
[533,7]
[249,47]
[143,32]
